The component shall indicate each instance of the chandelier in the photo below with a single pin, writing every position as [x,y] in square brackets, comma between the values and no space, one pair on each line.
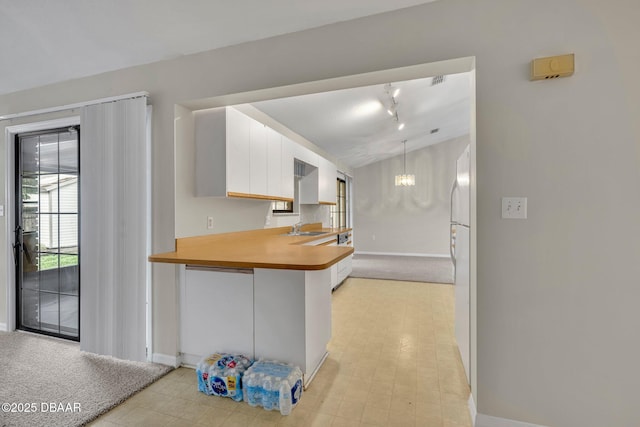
[405,180]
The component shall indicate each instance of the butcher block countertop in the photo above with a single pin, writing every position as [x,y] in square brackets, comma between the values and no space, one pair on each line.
[266,248]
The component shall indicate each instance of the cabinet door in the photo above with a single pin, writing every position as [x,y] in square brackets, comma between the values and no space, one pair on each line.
[238,152]
[216,312]
[327,181]
[288,181]
[274,163]
[258,162]
[301,152]
[210,144]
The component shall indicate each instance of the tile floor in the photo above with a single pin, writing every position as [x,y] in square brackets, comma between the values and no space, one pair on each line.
[392,361]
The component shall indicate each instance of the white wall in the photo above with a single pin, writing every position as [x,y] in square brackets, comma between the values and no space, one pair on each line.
[407,220]
[557,293]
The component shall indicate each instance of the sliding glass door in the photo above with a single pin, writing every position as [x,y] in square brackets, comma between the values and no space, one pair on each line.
[46,249]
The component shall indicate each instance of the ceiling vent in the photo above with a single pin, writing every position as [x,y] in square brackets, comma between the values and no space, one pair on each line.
[437,80]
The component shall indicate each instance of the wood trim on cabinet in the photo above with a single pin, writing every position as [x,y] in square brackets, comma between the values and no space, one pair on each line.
[327,203]
[258,196]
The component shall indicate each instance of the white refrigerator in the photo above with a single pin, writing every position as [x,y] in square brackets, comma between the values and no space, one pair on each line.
[459,238]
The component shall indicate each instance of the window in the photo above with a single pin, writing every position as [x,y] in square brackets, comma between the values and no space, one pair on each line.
[339,210]
[282,207]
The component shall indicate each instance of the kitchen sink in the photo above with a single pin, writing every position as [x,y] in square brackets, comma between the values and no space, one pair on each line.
[306,233]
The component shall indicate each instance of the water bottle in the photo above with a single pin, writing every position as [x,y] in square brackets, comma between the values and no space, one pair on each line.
[267,387]
[285,398]
[295,384]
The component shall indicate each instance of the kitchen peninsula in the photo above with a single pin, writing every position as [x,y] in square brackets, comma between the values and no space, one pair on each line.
[263,293]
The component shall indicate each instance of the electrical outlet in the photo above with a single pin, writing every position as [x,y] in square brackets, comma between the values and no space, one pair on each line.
[210,222]
[514,207]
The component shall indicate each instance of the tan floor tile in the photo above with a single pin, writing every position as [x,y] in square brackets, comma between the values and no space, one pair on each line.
[351,409]
[143,417]
[119,412]
[269,416]
[375,415]
[429,422]
[329,406]
[237,420]
[401,407]
[178,422]
[343,422]
[379,400]
[102,423]
[259,422]
[401,420]
[298,417]
[319,420]
[214,417]
[392,359]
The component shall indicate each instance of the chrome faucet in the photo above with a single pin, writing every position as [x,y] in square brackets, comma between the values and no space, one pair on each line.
[296,227]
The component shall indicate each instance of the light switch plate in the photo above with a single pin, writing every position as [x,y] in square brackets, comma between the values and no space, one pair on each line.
[514,207]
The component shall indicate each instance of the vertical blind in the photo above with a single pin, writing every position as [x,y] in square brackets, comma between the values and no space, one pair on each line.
[113,229]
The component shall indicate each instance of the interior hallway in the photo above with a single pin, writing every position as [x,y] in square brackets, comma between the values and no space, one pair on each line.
[393,361]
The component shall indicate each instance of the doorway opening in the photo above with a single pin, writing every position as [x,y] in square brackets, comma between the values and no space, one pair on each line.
[433,71]
[46,235]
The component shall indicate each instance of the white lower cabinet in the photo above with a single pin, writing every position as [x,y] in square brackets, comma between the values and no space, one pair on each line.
[334,276]
[293,317]
[344,268]
[216,312]
[261,313]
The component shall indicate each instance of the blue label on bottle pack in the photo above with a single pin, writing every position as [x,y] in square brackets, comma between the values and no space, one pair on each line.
[296,391]
[218,386]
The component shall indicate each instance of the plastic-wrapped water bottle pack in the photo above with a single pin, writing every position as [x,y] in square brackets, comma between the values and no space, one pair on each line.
[220,374]
[273,385]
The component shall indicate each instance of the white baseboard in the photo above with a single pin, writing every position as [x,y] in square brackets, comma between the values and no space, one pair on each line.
[164,359]
[3,326]
[471,404]
[489,421]
[403,254]
[189,360]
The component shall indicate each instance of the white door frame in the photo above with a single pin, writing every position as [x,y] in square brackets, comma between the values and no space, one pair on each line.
[9,180]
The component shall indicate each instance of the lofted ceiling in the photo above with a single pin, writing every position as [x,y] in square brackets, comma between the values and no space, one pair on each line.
[355,127]
[44,42]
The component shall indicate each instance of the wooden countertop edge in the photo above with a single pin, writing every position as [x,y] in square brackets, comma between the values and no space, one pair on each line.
[183,253]
[167,258]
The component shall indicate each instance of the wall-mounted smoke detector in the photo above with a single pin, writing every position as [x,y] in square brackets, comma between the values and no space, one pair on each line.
[552,67]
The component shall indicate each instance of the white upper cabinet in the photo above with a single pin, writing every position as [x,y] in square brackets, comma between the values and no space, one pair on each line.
[237,156]
[302,153]
[319,185]
[274,163]
[238,147]
[288,180]
[327,184]
[258,158]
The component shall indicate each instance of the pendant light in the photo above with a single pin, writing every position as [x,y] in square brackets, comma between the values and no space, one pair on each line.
[405,180]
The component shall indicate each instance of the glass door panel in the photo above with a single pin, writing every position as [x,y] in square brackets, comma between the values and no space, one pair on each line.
[47,235]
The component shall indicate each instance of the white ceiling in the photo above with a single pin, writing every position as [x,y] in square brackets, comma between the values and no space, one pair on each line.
[353,125]
[44,41]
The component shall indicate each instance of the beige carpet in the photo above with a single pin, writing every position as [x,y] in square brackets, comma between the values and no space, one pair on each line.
[406,268]
[59,384]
